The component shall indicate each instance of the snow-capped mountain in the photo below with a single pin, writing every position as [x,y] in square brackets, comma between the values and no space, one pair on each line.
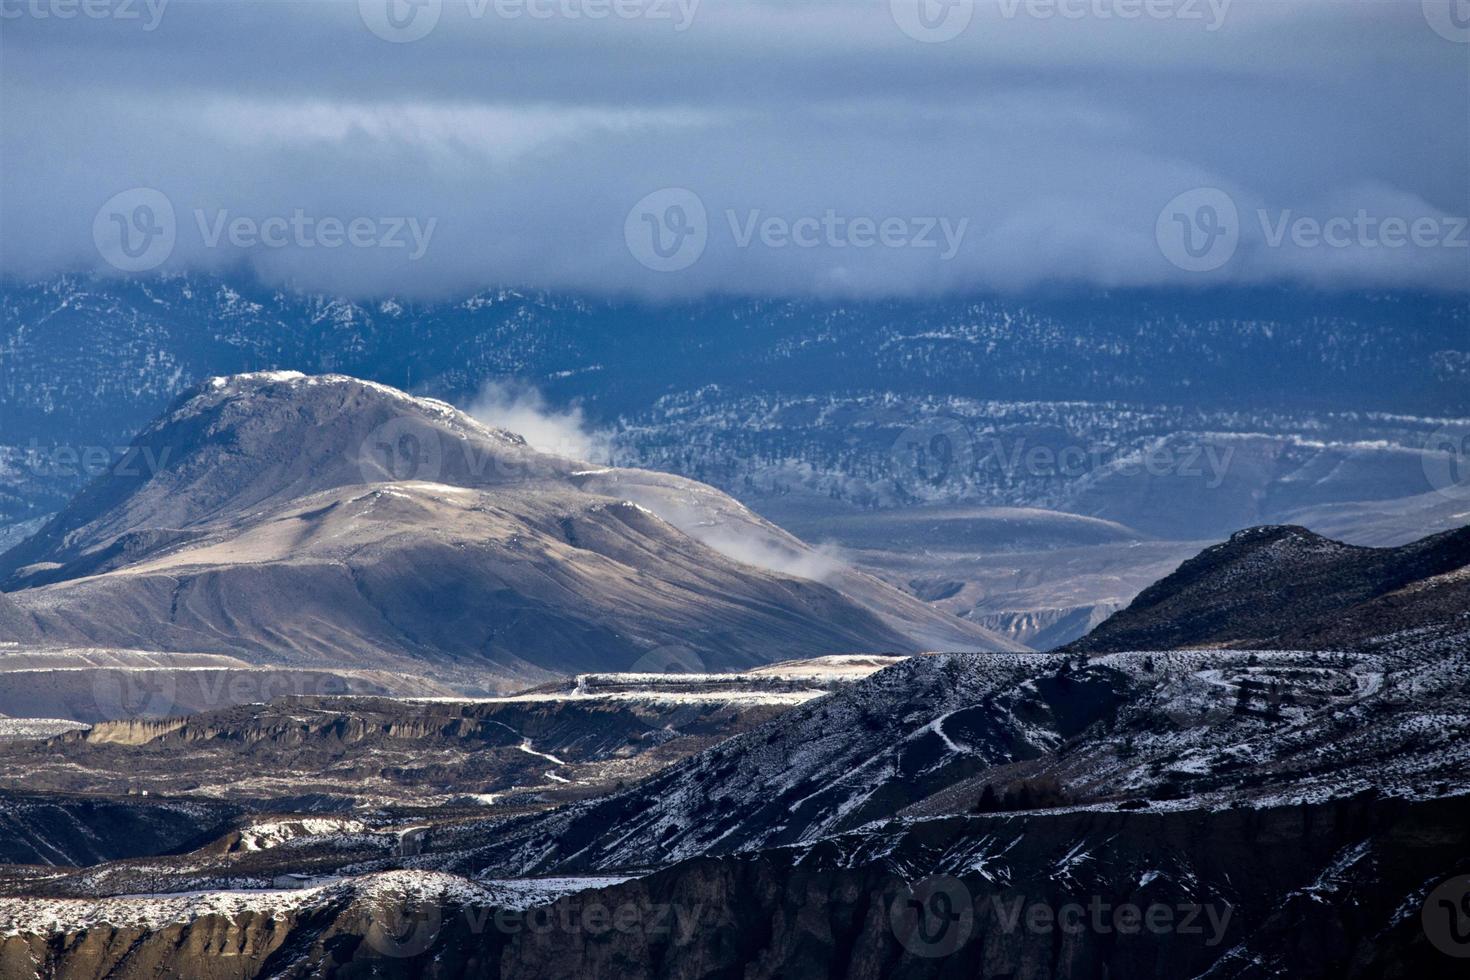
[325,520]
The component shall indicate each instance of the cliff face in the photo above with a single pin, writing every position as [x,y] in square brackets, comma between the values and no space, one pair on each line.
[1239,893]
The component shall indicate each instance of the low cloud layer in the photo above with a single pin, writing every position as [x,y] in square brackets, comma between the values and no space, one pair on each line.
[674,147]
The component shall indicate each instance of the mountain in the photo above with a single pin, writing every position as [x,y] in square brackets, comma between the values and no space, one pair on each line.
[1145,779]
[89,360]
[325,520]
[1307,810]
[1283,587]
[1170,417]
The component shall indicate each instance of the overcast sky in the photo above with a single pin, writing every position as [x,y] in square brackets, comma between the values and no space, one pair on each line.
[1001,144]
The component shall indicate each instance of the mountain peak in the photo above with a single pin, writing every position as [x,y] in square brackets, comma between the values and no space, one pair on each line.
[1282,586]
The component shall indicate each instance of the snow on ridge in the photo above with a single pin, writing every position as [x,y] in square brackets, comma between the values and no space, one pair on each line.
[221,386]
[69,916]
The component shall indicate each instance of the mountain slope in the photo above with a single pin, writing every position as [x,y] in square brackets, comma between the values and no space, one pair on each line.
[1285,587]
[329,520]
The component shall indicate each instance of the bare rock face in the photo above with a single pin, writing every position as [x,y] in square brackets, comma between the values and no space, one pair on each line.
[58,831]
[325,520]
[1235,893]
[1283,587]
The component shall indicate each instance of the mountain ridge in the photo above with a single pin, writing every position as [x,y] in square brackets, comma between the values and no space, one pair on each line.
[320,519]
[1285,587]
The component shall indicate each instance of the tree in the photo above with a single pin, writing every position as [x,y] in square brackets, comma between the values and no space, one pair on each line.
[989,800]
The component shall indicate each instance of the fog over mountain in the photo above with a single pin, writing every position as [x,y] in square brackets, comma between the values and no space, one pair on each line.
[1053,134]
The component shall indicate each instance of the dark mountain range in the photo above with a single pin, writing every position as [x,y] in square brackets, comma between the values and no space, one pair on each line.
[332,521]
[1313,803]
[1287,588]
[107,354]
[89,361]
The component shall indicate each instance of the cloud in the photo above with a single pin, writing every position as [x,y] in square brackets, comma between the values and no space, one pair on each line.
[528,141]
[820,563]
[522,409]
